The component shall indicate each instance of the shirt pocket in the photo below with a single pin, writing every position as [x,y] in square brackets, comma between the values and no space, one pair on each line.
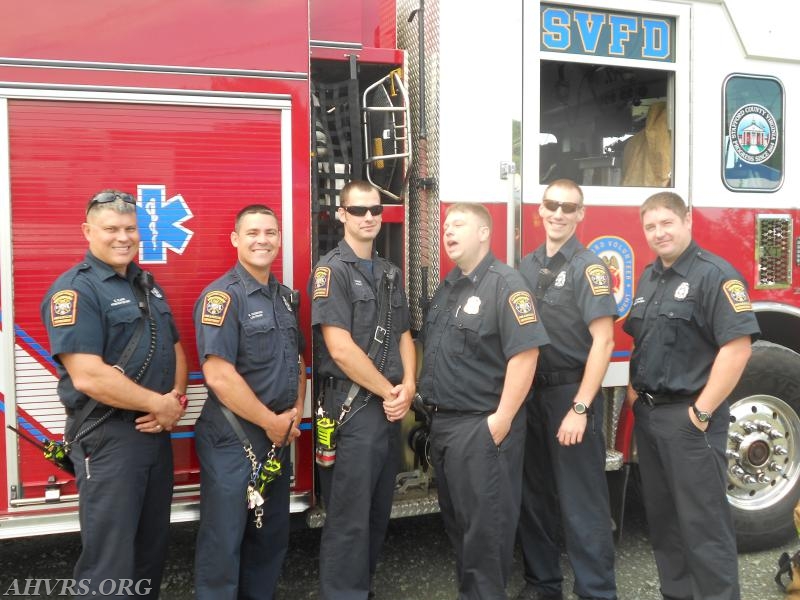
[469,327]
[288,326]
[633,322]
[637,311]
[122,322]
[364,312]
[166,322]
[677,319]
[552,295]
[259,339]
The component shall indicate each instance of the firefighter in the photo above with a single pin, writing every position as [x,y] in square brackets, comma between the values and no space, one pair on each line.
[481,338]
[249,347]
[100,313]
[564,475]
[692,325]
[379,381]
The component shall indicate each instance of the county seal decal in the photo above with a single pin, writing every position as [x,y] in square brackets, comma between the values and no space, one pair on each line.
[322,282]
[64,308]
[215,307]
[753,133]
[617,255]
[522,305]
[736,294]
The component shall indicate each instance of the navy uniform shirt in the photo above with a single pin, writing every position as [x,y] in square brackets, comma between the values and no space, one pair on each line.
[252,326]
[91,309]
[344,293]
[580,293]
[680,318]
[474,325]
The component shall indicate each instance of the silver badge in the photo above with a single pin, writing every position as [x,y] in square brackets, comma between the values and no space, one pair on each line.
[286,302]
[157,293]
[559,282]
[682,291]
[473,305]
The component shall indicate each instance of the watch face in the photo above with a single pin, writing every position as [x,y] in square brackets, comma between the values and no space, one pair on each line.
[701,415]
[579,407]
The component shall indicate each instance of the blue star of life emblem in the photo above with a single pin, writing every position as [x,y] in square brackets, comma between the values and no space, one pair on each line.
[161,224]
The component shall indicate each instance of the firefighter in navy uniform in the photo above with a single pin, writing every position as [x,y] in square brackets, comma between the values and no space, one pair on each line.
[564,478]
[101,313]
[692,326]
[250,349]
[346,289]
[481,345]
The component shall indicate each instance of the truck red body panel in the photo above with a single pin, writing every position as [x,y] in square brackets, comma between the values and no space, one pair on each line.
[202,34]
[202,106]
[198,108]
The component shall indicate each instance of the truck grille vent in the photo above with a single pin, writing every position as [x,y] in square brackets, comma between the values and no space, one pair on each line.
[774,251]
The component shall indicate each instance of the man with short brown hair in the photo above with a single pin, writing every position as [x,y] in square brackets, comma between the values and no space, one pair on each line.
[692,325]
[249,347]
[482,338]
[565,456]
[377,378]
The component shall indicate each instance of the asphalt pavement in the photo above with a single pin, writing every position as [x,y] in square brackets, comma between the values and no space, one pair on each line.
[417,564]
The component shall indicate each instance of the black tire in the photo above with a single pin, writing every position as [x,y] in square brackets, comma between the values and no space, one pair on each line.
[764,448]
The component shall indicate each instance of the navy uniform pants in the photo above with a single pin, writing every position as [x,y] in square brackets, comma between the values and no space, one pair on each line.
[566,486]
[479,486]
[357,492]
[125,485]
[683,474]
[234,559]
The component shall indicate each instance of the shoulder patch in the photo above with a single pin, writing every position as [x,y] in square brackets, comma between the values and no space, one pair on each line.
[322,282]
[597,276]
[522,305]
[215,307]
[64,308]
[736,294]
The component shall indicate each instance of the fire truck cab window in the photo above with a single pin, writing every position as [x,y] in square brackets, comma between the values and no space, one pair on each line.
[752,155]
[605,125]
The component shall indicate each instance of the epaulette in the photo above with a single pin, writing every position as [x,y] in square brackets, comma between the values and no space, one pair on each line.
[75,270]
[722,264]
[329,255]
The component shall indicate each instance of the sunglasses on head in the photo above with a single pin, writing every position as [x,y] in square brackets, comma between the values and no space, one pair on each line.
[566,207]
[106,197]
[360,211]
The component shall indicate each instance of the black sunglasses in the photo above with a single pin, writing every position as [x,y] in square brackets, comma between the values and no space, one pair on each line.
[566,207]
[106,197]
[360,211]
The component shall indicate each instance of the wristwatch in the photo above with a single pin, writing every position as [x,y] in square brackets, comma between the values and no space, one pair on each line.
[579,407]
[702,416]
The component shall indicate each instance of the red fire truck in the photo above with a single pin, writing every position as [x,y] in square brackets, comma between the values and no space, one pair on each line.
[202,106]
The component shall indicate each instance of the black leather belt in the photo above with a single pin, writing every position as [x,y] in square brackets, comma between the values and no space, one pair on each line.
[339,385]
[552,378]
[652,400]
[101,409]
[459,413]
